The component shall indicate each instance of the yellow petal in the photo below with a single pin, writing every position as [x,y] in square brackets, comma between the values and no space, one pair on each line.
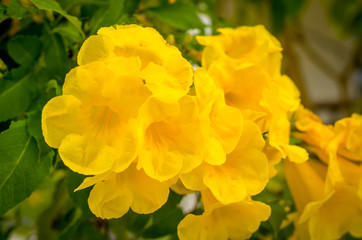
[95,48]
[110,199]
[165,85]
[174,141]
[295,153]
[127,146]
[200,228]
[329,219]
[61,116]
[244,173]
[222,222]
[226,125]
[90,181]
[251,137]
[180,188]
[86,156]
[243,218]
[215,152]
[194,180]
[148,194]
[305,182]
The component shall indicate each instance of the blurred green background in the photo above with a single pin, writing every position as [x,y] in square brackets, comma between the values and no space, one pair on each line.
[39,41]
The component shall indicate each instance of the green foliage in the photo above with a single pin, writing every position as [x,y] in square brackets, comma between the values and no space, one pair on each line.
[15,96]
[22,167]
[166,219]
[181,15]
[55,56]
[3,15]
[282,11]
[107,15]
[278,197]
[16,10]
[24,50]
[51,5]
[346,16]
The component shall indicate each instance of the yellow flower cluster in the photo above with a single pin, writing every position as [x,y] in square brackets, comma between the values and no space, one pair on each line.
[128,117]
[328,192]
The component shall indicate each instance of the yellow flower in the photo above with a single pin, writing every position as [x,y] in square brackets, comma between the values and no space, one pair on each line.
[173,142]
[95,123]
[313,131]
[114,193]
[221,222]
[222,124]
[244,173]
[328,213]
[242,47]
[338,146]
[245,63]
[351,145]
[336,214]
[234,165]
[165,72]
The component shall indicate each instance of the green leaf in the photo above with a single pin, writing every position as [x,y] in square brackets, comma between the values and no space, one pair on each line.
[16,10]
[21,170]
[24,50]
[83,231]
[107,16]
[67,4]
[34,129]
[80,198]
[53,85]
[3,15]
[59,216]
[166,219]
[132,221]
[15,97]
[69,32]
[181,15]
[50,5]
[278,12]
[55,56]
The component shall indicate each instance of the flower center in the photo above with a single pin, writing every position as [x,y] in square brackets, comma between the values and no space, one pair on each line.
[103,123]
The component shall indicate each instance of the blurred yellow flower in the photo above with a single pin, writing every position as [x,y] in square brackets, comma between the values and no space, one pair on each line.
[328,193]
[327,213]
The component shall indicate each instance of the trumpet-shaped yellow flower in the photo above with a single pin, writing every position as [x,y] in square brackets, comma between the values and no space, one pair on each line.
[244,173]
[338,146]
[222,124]
[245,63]
[173,142]
[95,123]
[221,222]
[165,72]
[114,193]
[351,145]
[313,131]
[328,195]
[243,47]
[328,213]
